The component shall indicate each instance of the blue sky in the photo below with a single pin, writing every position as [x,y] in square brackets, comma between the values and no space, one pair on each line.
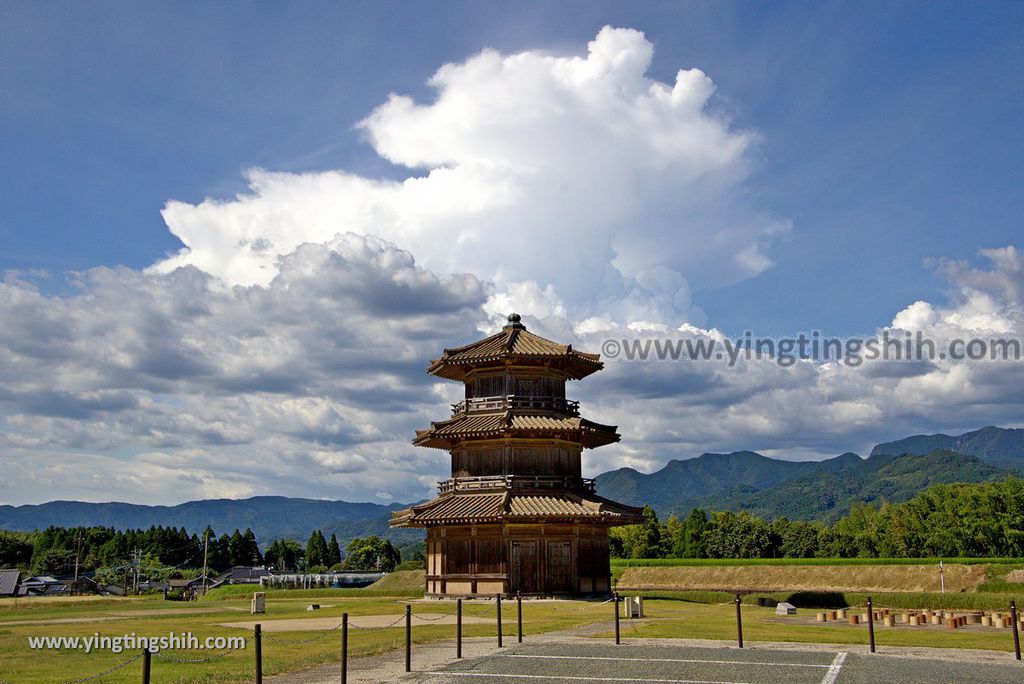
[890,130]
[874,136]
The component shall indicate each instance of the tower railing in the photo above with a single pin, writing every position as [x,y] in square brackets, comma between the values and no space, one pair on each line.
[513,401]
[523,482]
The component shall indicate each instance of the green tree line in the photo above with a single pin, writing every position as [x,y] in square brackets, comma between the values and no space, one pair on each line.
[54,550]
[967,520]
[169,551]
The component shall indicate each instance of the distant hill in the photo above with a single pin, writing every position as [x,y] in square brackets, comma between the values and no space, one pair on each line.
[1001,447]
[269,517]
[683,484]
[824,490]
[828,495]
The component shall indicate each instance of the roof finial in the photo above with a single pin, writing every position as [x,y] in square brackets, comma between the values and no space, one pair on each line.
[514,321]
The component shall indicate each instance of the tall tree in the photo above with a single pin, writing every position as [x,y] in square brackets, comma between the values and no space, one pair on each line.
[284,554]
[316,550]
[333,552]
[373,553]
[648,540]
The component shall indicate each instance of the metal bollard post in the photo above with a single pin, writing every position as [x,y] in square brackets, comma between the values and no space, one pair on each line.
[408,638]
[258,640]
[519,615]
[344,648]
[458,628]
[1016,634]
[615,602]
[871,625]
[499,620]
[739,621]
[147,664]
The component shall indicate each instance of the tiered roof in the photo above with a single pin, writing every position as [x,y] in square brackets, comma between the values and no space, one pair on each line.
[510,501]
[509,506]
[514,343]
[509,423]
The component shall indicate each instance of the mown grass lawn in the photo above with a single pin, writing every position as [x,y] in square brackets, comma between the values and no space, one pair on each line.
[281,650]
[683,620]
[151,616]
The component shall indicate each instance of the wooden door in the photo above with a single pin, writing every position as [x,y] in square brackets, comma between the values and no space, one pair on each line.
[559,559]
[525,573]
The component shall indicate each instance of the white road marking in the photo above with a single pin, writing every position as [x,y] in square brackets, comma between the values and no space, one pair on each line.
[833,669]
[665,660]
[495,675]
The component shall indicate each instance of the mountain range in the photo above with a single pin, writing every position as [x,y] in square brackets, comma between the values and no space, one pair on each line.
[819,490]
[269,517]
[742,480]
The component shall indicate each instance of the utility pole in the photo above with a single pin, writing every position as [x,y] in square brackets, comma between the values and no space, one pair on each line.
[137,562]
[78,553]
[206,549]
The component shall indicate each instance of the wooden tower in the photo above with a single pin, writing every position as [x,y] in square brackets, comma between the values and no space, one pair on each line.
[516,515]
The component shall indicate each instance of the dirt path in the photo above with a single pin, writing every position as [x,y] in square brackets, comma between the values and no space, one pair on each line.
[107,616]
[356,621]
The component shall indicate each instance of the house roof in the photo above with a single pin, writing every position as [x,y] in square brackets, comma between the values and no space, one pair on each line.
[8,582]
[46,579]
[178,582]
[240,572]
[444,434]
[456,508]
[514,343]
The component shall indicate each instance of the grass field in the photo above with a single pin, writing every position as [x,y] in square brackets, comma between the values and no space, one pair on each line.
[670,562]
[717,621]
[858,578]
[694,614]
[827,599]
[404,584]
[286,652]
[974,584]
[282,651]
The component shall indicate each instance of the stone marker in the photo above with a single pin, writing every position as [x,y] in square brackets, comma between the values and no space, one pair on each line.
[889,621]
[998,622]
[633,607]
[822,617]
[258,604]
[986,620]
[313,606]
[915,620]
[936,620]
[831,615]
[785,609]
[842,614]
[854,619]
[951,623]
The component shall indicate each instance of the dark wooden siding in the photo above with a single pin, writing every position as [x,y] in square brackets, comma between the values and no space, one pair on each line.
[490,555]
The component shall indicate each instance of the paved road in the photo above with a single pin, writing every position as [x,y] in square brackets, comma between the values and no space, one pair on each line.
[642,664]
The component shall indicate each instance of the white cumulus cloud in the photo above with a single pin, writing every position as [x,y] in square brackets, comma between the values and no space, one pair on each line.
[577,178]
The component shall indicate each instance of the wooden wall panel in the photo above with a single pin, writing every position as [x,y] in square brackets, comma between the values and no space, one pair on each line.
[490,555]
